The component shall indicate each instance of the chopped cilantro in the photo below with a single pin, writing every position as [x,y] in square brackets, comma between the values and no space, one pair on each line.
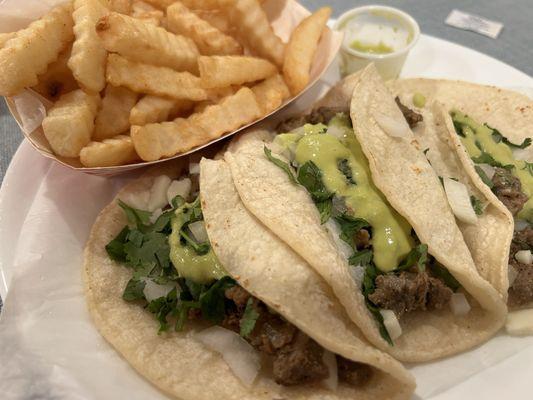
[310,177]
[324,208]
[134,290]
[417,256]
[137,218]
[486,158]
[442,273]
[363,257]
[477,205]
[281,164]
[212,301]
[349,227]
[164,307]
[528,167]
[346,170]
[369,279]
[486,180]
[249,318]
[498,137]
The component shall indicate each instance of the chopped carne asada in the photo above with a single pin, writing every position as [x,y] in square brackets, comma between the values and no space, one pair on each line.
[521,291]
[508,189]
[412,117]
[296,358]
[410,291]
[321,115]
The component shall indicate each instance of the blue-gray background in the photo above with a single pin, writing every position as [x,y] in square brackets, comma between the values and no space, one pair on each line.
[514,45]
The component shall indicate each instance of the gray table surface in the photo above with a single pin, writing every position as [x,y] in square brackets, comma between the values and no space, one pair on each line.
[513,46]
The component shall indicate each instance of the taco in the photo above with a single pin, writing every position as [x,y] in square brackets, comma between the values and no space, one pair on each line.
[204,302]
[481,135]
[346,188]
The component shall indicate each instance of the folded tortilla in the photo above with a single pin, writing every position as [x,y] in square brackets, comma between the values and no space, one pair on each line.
[401,172]
[509,112]
[180,365]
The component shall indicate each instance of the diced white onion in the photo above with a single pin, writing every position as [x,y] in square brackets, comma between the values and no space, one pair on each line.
[181,187]
[194,168]
[395,127]
[524,256]
[520,224]
[332,381]
[357,273]
[524,154]
[154,291]
[155,215]
[520,323]
[459,305]
[337,131]
[198,231]
[240,356]
[391,324]
[489,170]
[137,200]
[158,193]
[459,201]
[334,232]
[512,273]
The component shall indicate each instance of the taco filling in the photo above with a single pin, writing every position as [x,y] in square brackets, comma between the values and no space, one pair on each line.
[178,278]
[497,161]
[397,276]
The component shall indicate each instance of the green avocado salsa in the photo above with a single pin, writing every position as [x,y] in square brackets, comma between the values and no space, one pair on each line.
[202,266]
[380,48]
[391,237]
[486,145]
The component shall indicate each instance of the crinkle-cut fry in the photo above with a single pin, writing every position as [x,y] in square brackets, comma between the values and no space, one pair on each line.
[113,117]
[31,50]
[161,4]
[120,6]
[118,150]
[152,109]
[301,49]
[201,4]
[139,7]
[4,37]
[155,141]
[70,122]
[210,40]
[218,19]
[147,13]
[254,29]
[222,71]
[271,93]
[143,42]
[58,78]
[88,58]
[149,79]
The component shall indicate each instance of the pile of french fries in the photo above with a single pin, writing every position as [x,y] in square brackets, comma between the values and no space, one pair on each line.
[145,80]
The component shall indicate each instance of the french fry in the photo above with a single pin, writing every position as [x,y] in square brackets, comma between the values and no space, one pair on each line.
[222,71]
[120,6]
[70,122]
[271,93]
[87,61]
[210,40]
[142,42]
[159,81]
[147,13]
[215,96]
[113,117]
[254,28]
[152,109]
[161,4]
[28,53]
[155,141]
[108,153]
[301,49]
[4,37]
[218,19]
[201,4]
[58,78]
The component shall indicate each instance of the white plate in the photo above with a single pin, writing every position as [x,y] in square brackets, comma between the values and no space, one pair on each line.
[50,348]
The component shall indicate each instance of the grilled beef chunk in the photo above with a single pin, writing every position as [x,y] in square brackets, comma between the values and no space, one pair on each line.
[362,239]
[521,291]
[296,357]
[509,190]
[412,117]
[410,291]
[321,115]
[353,373]
[299,361]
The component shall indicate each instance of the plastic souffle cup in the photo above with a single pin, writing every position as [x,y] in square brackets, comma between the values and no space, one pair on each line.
[379,34]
